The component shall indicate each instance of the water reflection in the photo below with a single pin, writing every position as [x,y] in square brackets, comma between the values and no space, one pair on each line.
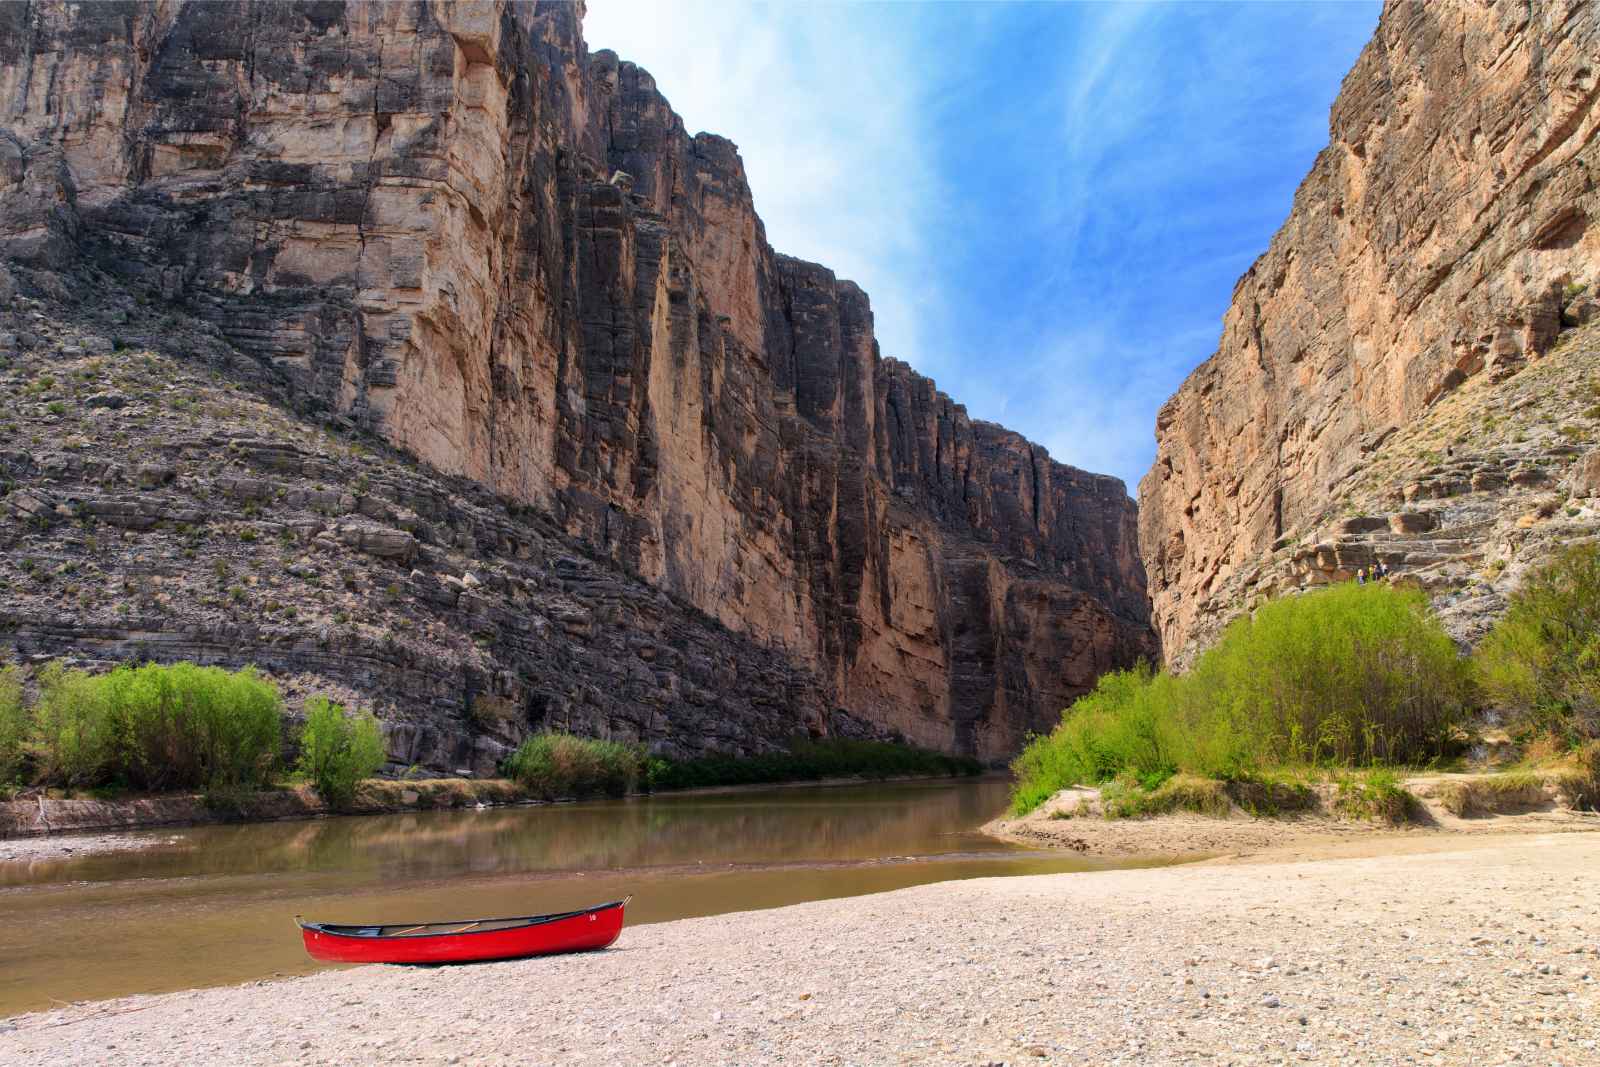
[796,824]
[213,905]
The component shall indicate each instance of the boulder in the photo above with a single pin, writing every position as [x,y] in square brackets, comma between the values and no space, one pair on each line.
[1354,527]
[1486,481]
[1413,522]
[380,541]
[1581,309]
[154,475]
[1584,479]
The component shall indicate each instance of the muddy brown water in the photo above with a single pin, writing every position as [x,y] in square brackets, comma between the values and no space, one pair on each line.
[215,905]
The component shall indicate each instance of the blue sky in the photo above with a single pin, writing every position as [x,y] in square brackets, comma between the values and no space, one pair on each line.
[1048,203]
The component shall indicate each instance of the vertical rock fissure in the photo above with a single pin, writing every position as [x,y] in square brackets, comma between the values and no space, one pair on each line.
[1431,241]
[693,407]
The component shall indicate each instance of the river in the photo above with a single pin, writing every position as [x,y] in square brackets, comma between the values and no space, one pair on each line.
[214,905]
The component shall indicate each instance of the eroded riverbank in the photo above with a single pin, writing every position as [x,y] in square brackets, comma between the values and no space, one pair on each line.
[1484,954]
[1314,833]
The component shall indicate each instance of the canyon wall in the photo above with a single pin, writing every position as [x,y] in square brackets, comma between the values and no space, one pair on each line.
[1438,237]
[453,225]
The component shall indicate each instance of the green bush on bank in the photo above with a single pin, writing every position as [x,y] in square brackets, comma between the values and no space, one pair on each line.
[73,735]
[155,727]
[1353,675]
[808,761]
[1541,662]
[165,727]
[13,731]
[1375,795]
[551,765]
[338,749]
[554,765]
[189,727]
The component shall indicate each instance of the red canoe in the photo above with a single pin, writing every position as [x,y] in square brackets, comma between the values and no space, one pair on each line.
[468,940]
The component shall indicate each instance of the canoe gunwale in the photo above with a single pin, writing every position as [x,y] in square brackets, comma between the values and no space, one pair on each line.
[521,922]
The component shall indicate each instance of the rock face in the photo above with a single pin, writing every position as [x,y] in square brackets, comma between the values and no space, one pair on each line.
[452,224]
[202,519]
[1441,235]
[1464,501]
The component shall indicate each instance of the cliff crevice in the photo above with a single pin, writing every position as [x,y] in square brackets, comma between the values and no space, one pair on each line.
[453,225]
[1438,237]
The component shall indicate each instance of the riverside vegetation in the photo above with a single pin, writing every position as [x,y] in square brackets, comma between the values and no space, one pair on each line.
[1346,686]
[182,727]
[162,728]
[551,765]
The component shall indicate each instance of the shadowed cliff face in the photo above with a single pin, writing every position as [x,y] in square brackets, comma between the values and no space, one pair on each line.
[1431,242]
[452,223]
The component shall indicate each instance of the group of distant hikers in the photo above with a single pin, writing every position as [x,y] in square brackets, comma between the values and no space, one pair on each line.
[1378,572]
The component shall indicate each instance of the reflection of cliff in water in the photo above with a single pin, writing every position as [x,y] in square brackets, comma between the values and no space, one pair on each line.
[770,826]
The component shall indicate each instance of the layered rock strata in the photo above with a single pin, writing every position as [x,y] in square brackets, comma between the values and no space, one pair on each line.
[156,507]
[1464,501]
[453,225]
[1438,237]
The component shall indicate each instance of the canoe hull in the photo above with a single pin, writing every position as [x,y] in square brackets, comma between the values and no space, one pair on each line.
[584,931]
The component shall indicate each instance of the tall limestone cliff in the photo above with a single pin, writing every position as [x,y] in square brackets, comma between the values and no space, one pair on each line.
[1438,238]
[453,225]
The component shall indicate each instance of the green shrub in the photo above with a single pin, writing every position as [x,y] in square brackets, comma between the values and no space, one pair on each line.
[74,736]
[189,727]
[559,765]
[1347,676]
[155,727]
[806,760]
[13,730]
[1541,662]
[1126,798]
[554,765]
[1270,793]
[1118,729]
[1376,794]
[338,749]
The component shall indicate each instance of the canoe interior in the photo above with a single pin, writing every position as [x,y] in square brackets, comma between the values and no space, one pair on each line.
[459,926]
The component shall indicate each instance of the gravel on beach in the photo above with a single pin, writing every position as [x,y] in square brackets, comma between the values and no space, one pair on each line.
[1485,954]
[1181,834]
[49,847]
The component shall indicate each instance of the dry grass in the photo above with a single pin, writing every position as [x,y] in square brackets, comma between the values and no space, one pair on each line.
[1375,795]
[1495,794]
[1181,792]
[1577,778]
[383,794]
[1273,795]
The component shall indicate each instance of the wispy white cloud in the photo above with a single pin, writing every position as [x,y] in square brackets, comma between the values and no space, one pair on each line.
[823,101]
[1170,138]
[1048,203]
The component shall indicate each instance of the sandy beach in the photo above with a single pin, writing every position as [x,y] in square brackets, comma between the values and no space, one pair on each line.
[1305,835]
[1485,952]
